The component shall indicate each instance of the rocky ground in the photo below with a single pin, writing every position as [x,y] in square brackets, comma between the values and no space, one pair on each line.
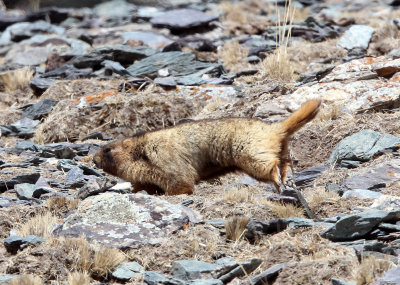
[72,79]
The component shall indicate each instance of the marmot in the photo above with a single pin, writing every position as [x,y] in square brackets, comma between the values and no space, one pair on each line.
[174,159]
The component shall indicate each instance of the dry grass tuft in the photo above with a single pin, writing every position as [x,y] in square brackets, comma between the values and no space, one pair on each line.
[303,53]
[58,203]
[235,228]
[17,79]
[234,12]
[105,260]
[233,56]
[78,278]
[282,210]
[41,225]
[277,65]
[370,269]
[96,260]
[241,194]
[26,280]
[317,196]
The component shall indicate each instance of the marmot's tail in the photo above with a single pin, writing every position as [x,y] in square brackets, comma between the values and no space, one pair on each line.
[302,116]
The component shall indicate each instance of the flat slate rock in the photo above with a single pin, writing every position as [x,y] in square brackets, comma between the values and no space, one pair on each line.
[363,146]
[40,109]
[362,194]
[115,9]
[39,85]
[191,269]
[21,31]
[182,19]
[150,39]
[127,270]
[267,276]
[374,177]
[391,277]
[125,220]
[356,226]
[177,63]
[123,54]
[358,36]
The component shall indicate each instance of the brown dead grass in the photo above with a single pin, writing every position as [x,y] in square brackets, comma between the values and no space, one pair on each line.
[277,65]
[234,12]
[235,228]
[119,116]
[282,210]
[78,278]
[40,225]
[233,56]
[26,280]
[61,204]
[312,259]
[302,53]
[241,194]
[371,269]
[315,197]
[96,260]
[17,79]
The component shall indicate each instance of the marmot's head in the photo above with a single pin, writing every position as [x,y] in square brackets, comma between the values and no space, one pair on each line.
[114,157]
[104,158]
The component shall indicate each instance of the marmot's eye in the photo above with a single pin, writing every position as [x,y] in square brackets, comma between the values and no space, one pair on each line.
[107,149]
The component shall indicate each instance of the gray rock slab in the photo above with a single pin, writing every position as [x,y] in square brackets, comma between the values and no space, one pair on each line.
[268,275]
[362,194]
[358,36]
[362,146]
[30,57]
[127,270]
[205,282]
[21,31]
[61,44]
[25,191]
[177,63]
[356,226]
[39,110]
[182,19]
[95,186]
[68,71]
[123,54]
[154,278]
[374,177]
[124,221]
[391,277]
[245,268]
[39,85]
[336,281]
[114,67]
[191,269]
[15,243]
[305,178]
[165,81]
[115,9]
[75,177]
[150,39]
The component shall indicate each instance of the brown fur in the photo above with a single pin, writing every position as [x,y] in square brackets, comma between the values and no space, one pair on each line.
[175,159]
